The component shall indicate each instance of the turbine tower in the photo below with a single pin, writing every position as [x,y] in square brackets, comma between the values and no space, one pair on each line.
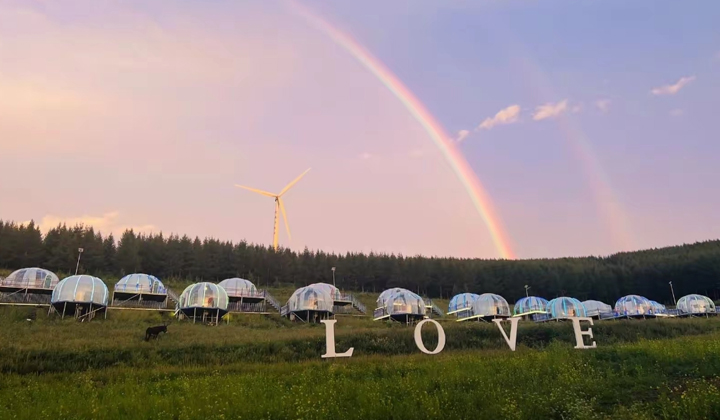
[279,207]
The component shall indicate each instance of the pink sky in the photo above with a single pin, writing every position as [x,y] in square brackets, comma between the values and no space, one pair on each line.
[115,117]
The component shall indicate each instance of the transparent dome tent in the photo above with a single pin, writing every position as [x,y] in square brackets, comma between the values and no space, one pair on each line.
[245,297]
[311,303]
[658,309]
[530,305]
[238,288]
[82,295]
[385,295]
[633,306]
[140,289]
[488,306]
[203,301]
[28,285]
[461,305]
[596,309]
[400,305]
[565,307]
[695,305]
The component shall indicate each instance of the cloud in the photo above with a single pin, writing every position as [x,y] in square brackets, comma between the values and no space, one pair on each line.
[107,223]
[461,135]
[677,112]
[673,89]
[550,110]
[365,156]
[508,115]
[577,108]
[603,105]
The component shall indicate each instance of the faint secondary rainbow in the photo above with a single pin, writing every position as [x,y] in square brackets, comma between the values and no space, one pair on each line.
[460,166]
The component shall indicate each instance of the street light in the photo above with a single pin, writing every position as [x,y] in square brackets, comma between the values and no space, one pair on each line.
[673,292]
[80,251]
[333,270]
[526,290]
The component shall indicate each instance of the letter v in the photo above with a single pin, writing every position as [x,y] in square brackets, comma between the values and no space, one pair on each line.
[513,331]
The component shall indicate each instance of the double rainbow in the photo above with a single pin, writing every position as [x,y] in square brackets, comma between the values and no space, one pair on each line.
[460,166]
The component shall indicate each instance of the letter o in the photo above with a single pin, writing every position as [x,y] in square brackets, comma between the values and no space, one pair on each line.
[418,337]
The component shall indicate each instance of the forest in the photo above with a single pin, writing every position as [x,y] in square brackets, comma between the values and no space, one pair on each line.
[691,268]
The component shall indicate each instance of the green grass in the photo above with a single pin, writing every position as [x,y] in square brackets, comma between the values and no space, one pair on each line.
[673,378]
[267,367]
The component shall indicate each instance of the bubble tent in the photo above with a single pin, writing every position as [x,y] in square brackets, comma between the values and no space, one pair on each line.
[311,303]
[238,288]
[633,306]
[31,278]
[385,295]
[140,283]
[489,305]
[398,304]
[695,305]
[82,294]
[461,303]
[565,307]
[530,305]
[204,300]
[593,308]
[658,309]
[140,290]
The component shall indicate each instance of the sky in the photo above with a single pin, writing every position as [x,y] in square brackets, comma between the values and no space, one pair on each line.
[589,126]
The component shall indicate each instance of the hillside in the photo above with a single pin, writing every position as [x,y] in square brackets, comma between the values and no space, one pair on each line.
[692,268]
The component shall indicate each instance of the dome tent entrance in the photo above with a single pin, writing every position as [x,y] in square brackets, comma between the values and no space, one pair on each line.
[28,285]
[82,295]
[140,290]
[203,301]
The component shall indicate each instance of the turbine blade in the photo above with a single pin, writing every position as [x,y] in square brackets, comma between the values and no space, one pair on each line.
[256,190]
[293,183]
[282,210]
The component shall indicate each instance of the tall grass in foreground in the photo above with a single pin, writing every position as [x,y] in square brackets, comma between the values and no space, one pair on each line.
[47,345]
[666,379]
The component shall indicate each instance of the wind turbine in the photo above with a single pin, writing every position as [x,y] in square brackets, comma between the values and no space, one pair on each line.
[279,207]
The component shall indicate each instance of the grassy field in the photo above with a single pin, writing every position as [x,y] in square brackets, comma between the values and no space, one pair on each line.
[265,367]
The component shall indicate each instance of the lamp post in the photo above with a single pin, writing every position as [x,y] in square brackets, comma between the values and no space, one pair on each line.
[673,292]
[80,251]
[526,290]
[333,271]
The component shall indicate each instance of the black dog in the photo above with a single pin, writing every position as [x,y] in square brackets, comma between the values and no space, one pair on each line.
[154,332]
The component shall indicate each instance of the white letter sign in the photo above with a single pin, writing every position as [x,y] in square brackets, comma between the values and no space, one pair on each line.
[441,337]
[330,340]
[513,331]
[579,333]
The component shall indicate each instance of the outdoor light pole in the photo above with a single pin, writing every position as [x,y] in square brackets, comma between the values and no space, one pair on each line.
[80,251]
[673,292]
[526,290]
[333,270]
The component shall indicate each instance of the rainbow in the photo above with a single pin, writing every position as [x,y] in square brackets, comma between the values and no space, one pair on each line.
[460,166]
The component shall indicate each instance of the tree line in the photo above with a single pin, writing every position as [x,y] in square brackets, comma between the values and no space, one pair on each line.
[691,268]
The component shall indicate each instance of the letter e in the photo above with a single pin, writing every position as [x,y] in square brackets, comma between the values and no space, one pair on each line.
[579,333]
